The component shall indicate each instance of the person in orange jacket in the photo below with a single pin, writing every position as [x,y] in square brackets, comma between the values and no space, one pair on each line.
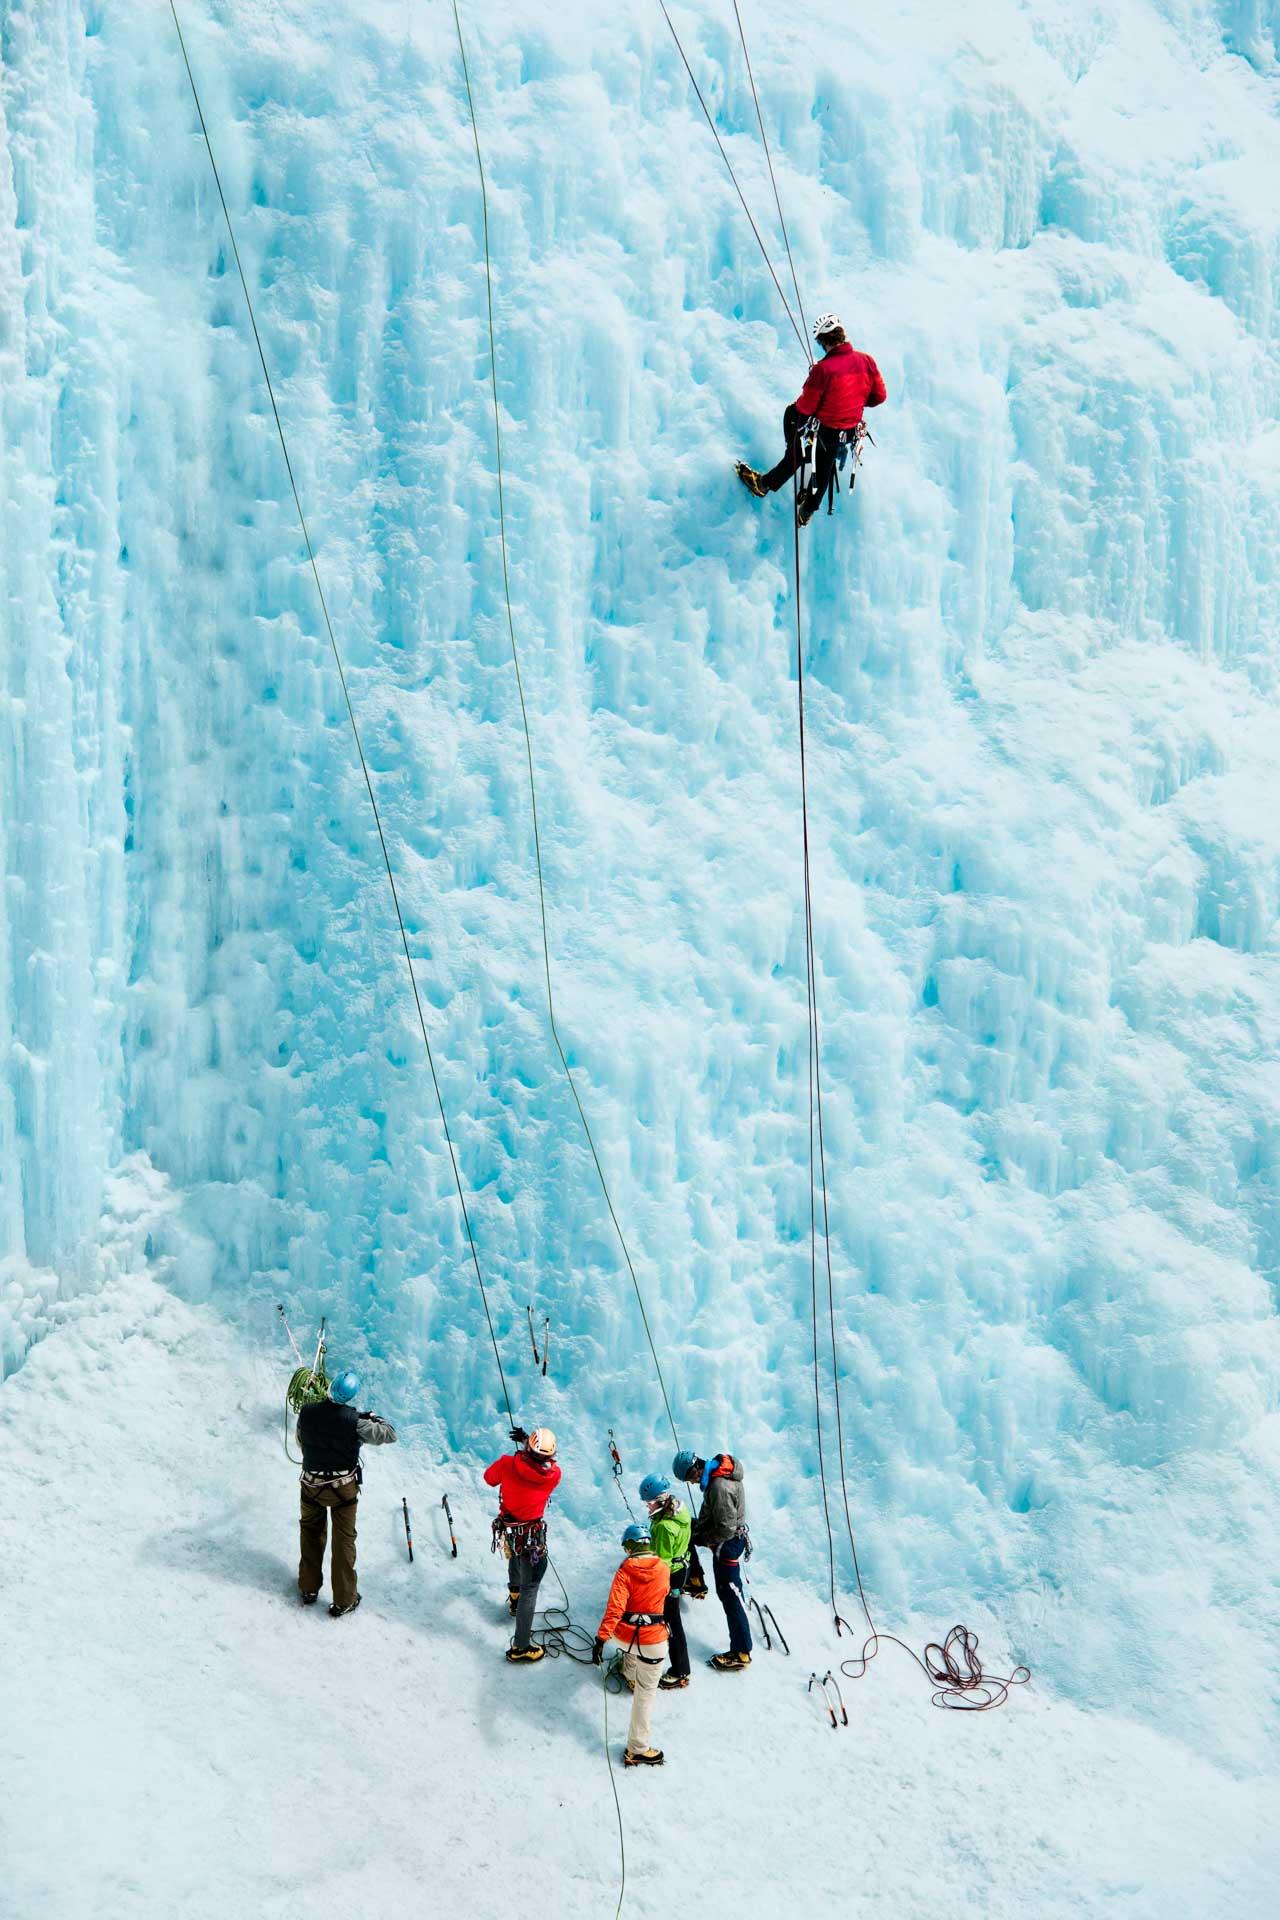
[635,1614]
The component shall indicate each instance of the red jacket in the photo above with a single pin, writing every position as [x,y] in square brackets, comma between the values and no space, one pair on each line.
[640,1585]
[524,1485]
[840,385]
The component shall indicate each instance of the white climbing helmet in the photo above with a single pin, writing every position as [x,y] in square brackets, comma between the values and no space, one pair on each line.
[827,323]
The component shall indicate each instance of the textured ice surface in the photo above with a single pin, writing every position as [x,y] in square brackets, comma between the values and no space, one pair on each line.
[1042,647]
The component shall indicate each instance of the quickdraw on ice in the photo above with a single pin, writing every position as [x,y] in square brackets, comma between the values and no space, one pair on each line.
[616,1457]
[540,1359]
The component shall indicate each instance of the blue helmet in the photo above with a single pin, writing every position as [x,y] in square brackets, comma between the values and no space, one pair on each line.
[637,1535]
[345,1388]
[654,1486]
[683,1464]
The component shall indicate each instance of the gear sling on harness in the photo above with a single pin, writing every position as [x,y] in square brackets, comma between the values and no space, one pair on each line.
[849,442]
[519,1537]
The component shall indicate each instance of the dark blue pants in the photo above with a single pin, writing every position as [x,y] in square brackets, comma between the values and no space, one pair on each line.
[524,1576]
[728,1567]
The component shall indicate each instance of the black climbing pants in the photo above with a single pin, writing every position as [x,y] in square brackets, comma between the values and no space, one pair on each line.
[824,459]
[321,1503]
[676,1642]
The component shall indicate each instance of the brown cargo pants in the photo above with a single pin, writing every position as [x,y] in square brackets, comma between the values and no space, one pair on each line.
[319,1500]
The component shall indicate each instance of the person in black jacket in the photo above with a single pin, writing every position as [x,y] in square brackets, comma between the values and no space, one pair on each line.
[721,1524]
[331,1434]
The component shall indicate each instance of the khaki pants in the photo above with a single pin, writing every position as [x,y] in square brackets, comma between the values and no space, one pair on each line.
[643,1667]
[318,1502]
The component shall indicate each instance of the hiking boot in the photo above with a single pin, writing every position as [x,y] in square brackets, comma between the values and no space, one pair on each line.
[670,1681]
[643,1757]
[526,1655]
[751,480]
[729,1662]
[806,507]
[336,1612]
[308,1599]
[513,1601]
[696,1587]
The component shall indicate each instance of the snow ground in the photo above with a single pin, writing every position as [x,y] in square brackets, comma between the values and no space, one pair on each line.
[180,1740]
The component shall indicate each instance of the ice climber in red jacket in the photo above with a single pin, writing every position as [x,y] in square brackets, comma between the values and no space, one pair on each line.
[525,1481]
[839,386]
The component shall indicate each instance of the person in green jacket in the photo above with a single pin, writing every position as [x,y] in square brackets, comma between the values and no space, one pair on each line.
[670,1527]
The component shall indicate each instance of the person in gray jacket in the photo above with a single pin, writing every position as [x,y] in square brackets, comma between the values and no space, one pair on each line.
[722,1525]
[331,1434]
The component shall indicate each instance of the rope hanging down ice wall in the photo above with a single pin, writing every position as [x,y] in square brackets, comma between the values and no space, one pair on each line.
[351,715]
[528,741]
[965,1688]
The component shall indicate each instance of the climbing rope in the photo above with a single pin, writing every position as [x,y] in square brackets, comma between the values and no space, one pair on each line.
[528,741]
[351,714]
[795,324]
[777,197]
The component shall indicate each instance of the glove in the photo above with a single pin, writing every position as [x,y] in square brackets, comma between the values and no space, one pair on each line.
[597,1654]
[519,1435]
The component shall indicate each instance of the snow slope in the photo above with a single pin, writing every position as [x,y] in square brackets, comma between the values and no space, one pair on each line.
[1041,654]
[221,1752]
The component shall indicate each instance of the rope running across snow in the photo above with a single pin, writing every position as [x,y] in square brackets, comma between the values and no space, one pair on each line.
[351,714]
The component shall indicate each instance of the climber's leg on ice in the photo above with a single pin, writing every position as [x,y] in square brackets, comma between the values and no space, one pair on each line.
[528,1572]
[762,483]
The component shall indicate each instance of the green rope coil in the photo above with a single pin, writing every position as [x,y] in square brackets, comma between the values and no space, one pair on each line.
[307,1385]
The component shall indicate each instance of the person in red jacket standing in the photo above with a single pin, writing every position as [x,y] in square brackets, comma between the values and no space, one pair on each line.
[525,1481]
[839,387]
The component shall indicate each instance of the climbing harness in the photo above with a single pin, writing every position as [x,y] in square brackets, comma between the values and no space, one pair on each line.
[408,1531]
[519,1539]
[849,445]
[760,1616]
[448,1514]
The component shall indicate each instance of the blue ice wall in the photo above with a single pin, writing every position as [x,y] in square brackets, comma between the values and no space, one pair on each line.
[1041,653]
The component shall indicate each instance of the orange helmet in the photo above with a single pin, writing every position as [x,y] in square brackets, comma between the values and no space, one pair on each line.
[542,1442]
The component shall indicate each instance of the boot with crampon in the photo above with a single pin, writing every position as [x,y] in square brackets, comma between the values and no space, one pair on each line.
[730,1662]
[643,1757]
